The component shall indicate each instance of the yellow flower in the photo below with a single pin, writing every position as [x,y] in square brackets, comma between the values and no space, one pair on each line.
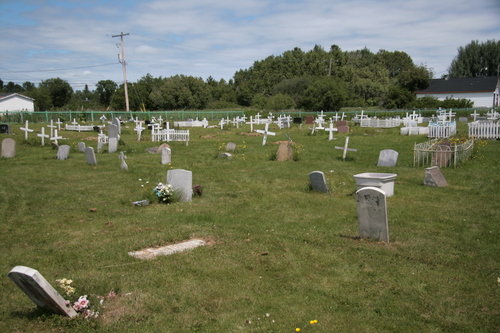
[297,329]
[313,322]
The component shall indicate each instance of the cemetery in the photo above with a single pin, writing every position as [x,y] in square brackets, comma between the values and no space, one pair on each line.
[364,230]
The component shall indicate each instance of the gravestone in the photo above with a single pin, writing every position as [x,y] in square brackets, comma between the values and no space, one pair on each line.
[118,125]
[39,290]
[434,177]
[160,148]
[342,123]
[388,158]
[81,146]
[181,181]
[112,145]
[166,156]
[372,213]
[113,131]
[151,253]
[342,126]
[285,152]
[297,120]
[123,164]
[463,119]
[63,152]
[442,154]
[90,155]
[318,181]
[231,146]
[8,148]
[4,129]
[309,120]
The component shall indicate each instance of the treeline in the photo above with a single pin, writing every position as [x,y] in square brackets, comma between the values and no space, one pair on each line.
[313,80]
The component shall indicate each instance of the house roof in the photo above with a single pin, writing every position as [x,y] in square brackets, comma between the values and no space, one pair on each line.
[7,95]
[461,85]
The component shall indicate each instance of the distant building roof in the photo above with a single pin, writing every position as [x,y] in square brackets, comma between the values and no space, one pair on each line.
[461,85]
[5,95]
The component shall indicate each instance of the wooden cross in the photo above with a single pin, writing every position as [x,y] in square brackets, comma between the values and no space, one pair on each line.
[313,128]
[56,137]
[345,148]
[251,122]
[331,130]
[222,123]
[26,130]
[59,123]
[51,126]
[265,132]
[139,130]
[475,114]
[43,136]
[74,122]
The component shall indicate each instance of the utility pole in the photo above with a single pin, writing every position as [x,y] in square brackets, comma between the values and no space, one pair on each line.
[124,66]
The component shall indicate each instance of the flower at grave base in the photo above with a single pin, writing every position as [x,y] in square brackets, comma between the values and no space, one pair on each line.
[81,304]
[312,322]
[297,329]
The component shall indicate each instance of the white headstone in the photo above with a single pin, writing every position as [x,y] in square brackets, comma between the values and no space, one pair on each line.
[123,164]
[166,155]
[372,213]
[112,145]
[63,152]
[113,131]
[81,146]
[34,285]
[90,155]
[388,157]
[182,181]
[8,148]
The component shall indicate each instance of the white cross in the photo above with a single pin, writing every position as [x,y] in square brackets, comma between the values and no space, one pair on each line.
[345,148]
[74,122]
[343,115]
[26,130]
[475,114]
[331,130]
[103,118]
[43,136]
[55,137]
[336,117]
[51,126]
[251,122]
[222,123]
[265,132]
[58,122]
[313,128]
[160,119]
[139,130]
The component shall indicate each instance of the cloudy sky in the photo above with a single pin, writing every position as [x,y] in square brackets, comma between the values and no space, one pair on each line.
[73,39]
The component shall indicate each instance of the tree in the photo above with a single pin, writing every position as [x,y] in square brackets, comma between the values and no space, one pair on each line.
[325,93]
[59,90]
[105,89]
[476,60]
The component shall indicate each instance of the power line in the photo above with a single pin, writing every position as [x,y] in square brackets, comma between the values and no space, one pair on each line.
[60,69]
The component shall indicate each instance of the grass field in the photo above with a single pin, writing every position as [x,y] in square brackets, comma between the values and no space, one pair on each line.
[279,257]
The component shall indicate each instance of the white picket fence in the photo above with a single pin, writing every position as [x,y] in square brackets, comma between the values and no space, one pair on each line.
[79,128]
[382,123]
[442,130]
[169,135]
[484,130]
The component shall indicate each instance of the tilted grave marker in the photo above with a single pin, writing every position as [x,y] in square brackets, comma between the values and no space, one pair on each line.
[39,290]
[266,132]
[434,177]
[345,148]
[372,213]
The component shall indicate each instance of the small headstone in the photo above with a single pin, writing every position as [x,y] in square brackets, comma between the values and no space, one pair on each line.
[113,131]
[231,146]
[372,213]
[81,146]
[309,120]
[342,123]
[297,120]
[166,156]
[112,145]
[160,148]
[39,290]
[285,152]
[318,181]
[63,152]
[118,124]
[182,181]
[343,129]
[123,164]
[90,155]
[434,177]
[4,129]
[8,148]
[388,158]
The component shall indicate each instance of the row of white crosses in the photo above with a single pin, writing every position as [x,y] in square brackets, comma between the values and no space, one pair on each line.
[53,133]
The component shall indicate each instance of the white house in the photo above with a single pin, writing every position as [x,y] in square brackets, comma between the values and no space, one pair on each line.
[483,91]
[16,102]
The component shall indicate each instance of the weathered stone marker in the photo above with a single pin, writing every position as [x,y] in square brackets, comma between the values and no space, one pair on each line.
[372,213]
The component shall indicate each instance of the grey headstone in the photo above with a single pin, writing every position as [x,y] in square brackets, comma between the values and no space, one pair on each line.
[34,285]
[182,181]
[81,146]
[4,129]
[90,155]
[113,131]
[372,213]
[231,146]
[318,181]
[388,157]
[434,177]
[118,124]
[166,156]
[112,145]
[8,148]
[63,152]
[463,119]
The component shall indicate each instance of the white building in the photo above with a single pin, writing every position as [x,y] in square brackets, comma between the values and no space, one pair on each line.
[16,102]
[483,91]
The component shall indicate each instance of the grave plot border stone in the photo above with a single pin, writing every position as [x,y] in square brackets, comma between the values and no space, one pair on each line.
[39,290]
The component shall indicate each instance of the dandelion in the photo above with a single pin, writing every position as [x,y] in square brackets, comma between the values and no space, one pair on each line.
[312,322]
[297,329]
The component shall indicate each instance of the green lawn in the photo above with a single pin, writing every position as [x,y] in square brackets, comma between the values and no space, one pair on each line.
[278,255]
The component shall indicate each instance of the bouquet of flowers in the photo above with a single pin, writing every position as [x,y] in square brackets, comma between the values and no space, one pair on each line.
[164,192]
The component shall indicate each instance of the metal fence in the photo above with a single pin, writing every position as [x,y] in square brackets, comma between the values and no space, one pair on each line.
[441,153]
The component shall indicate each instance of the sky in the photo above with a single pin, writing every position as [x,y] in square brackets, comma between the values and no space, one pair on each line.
[75,40]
